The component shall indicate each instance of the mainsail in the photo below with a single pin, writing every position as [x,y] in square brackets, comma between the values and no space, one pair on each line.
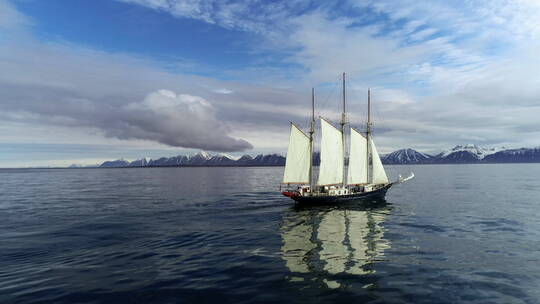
[298,158]
[331,167]
[378,175]
[357,171]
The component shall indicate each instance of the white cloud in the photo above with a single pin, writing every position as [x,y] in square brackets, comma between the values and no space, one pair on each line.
[223,91]
[177,120]
[328,47]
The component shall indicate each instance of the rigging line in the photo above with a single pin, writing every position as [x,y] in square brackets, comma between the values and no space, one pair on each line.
[323,107]
[353,104]
[356,104]
[382,123]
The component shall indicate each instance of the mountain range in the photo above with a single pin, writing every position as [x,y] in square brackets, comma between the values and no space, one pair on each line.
[461,154]
[201,159]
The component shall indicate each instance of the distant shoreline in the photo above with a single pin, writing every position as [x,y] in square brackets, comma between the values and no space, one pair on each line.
[259,166]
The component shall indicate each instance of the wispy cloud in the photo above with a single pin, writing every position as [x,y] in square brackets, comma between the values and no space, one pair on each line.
[252,16]
[327,47]
[10,18]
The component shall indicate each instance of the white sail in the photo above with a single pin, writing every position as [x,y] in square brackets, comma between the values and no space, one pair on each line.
[297,161]
[357,171]
[331,167]
[378,174]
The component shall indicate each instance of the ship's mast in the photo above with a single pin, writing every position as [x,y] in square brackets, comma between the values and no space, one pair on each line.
[368,135]
[311,131]
[343,122]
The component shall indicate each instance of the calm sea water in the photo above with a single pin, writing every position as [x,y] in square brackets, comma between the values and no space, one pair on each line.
[454,234]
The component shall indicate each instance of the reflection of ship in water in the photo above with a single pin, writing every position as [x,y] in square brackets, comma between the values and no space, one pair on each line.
[330,244]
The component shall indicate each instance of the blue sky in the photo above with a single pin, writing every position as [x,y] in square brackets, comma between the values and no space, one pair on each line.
[114,26]
[87,81]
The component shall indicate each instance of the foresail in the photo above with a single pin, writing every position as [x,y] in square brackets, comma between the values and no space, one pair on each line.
[331,167]
[297,161]
[378,173]
[357,171]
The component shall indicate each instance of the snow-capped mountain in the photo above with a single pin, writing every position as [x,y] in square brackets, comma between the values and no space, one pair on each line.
[225,155]
[474,150]
[202,158]
[245,160]
[220,159]
[199,157]
[523,155]
[465,154]
[405,156]
[459,154]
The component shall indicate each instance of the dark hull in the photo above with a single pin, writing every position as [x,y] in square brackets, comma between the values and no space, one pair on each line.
[377,194]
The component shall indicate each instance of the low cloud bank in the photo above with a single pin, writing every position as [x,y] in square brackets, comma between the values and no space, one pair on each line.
[179,120]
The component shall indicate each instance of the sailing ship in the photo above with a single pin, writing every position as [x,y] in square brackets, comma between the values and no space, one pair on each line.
[364,177]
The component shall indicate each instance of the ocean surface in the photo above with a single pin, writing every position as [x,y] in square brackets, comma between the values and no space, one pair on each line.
[454,234]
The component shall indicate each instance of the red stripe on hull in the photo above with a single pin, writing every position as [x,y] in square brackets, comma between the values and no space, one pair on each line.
[290,194]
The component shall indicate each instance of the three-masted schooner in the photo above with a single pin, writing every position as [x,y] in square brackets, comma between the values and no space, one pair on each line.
[364,177]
